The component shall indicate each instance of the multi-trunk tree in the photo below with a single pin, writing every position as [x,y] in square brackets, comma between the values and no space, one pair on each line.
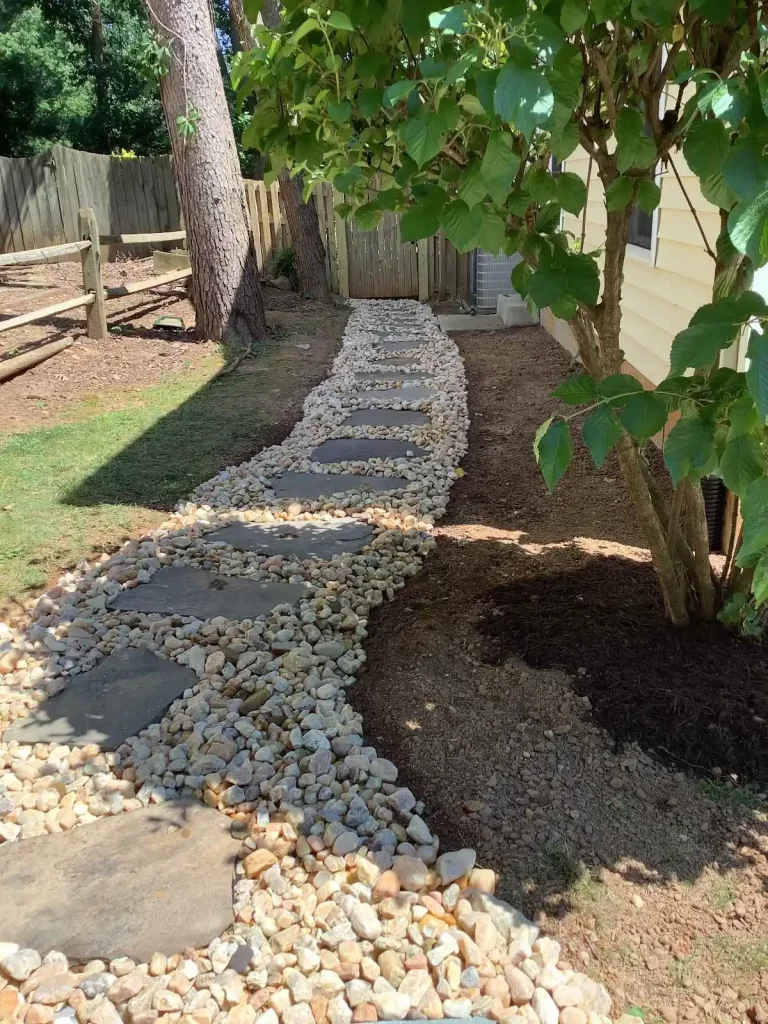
[460,111]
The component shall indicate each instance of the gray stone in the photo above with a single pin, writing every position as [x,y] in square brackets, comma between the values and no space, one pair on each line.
[315,485]
[386,418]
[407,394]
[450,322]
[397,346]
[386,375]
[187,591]
[123,886]
[299,539]
[125,692]
[395,360]
[361,449]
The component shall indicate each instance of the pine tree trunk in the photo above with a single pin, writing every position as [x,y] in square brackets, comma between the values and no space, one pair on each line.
[225,284]
[308,249]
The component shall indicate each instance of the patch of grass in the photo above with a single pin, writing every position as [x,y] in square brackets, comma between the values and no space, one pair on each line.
[681,969]
[566,867]
[738,959]
[118,460]
[723,893]
[736,796]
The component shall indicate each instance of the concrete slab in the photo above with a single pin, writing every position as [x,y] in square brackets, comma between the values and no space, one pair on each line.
[386,418]
[397,346]
[125,692]
[464,322]
[298,539]
[386,375]
[513,312]
[184,590]
[155,880]
[361,449]
[311,486]
[406,394]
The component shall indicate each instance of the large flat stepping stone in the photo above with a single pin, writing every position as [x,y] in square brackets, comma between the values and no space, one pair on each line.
[158,880]
[125,692]
[397,346]
[299,539]
[385,375]
[395,360]
[407,394]
[188,591]
[316,485]
[361,449]
[386,418]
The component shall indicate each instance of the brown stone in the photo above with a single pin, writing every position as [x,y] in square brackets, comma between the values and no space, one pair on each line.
[256,863]
[387,885]
[319,1007]
[520,985]
[363,1013]
[38,1014]
[497,988]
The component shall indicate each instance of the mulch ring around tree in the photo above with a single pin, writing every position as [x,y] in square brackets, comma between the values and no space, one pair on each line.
[697,695]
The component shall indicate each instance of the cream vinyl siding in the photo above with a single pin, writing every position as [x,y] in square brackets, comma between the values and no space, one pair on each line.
[663,287]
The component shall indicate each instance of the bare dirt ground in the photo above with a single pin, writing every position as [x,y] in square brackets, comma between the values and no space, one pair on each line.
[137,353]
[653,876]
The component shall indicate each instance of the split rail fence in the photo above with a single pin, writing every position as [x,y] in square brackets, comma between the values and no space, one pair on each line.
[40,200]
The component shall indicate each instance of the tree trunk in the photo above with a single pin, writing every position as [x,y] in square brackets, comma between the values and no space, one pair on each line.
[241,27]
[225,283]
[308,249]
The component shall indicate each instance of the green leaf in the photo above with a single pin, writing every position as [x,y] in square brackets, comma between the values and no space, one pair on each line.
[419,222]
[760,581]
[304,29]
[565,141]
[547,286]
[742,462]
[565,308]
[648,195]
[369,101]
[368,216]
[398,91]
[553,448]
[580,389]
[452,20]
[729,101]
[706,147]
[715,191]
[582,276]
[757,373]
[423,137]
[644,415]
[754,510]
[746,171]
[347,179]
[713,327]
[431,67]
[573,15]
[492,231]
[340,20]
[601,431]
[472,105]
[523,97]
[499,166]
[742,417]
[688,447]
[616,387]
[472,187]
[571,192]
[548,218]
[619,193]
[340,111]
[634,148]
[461,225]
[541,185]
[521,274]
[747,227]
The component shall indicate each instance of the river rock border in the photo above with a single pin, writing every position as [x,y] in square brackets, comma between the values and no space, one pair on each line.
[345,910]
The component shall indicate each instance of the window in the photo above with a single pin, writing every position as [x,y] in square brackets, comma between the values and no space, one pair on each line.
[641,229]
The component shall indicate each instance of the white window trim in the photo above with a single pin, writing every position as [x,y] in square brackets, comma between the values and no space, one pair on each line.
[637,252]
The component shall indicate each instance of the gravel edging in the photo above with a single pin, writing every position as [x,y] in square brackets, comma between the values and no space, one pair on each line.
[348,909]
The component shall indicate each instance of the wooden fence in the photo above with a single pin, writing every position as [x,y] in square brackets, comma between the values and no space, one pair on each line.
[40,199]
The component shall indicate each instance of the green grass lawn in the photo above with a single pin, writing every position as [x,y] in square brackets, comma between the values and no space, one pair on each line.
[108,471]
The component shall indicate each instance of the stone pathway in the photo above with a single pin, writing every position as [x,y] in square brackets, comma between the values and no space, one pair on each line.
[191,823]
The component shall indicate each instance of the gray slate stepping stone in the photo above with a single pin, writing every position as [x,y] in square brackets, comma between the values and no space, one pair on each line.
[300,539]
[360,449]
[188,591]
[155,880]
[408,394]
[396,360]
[385,418]
[126,691]
[386,375]
[397,346]
[315,485]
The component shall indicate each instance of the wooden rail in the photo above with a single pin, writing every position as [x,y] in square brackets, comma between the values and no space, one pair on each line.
[157,236]
[42,314]
[49,252]
[148,282]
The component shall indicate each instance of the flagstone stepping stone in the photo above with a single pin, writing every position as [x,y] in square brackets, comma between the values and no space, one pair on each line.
[187,591]
[395,360]
[385,375]
[360,449]
[299,539]
[125,692]
[310,486]
[386,418]
[157,880]
[408,394]
[397,346]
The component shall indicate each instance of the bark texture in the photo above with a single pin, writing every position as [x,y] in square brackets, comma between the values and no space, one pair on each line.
[308,249]
[225,284]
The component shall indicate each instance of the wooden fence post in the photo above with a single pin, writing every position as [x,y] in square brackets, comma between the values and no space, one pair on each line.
[91,261]
[424,244]
[341,247]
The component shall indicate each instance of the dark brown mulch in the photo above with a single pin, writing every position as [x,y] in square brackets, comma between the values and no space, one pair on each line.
[699,695]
